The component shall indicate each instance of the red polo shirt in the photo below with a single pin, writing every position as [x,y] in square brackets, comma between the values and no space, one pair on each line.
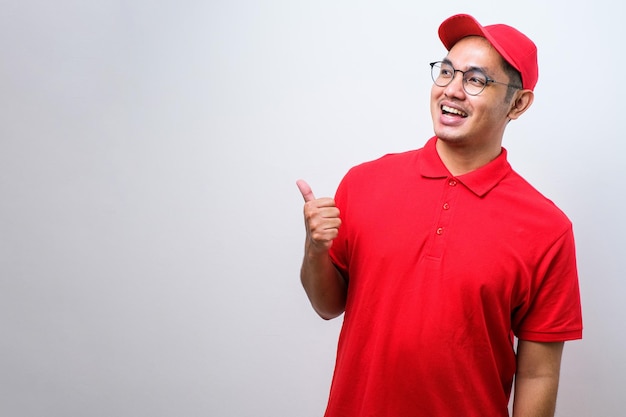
[442,272]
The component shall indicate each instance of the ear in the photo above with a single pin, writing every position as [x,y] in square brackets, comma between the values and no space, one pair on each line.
[520,103]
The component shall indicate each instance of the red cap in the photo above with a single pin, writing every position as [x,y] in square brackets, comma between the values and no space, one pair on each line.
[513,45]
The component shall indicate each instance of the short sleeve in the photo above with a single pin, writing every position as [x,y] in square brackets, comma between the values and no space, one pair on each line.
[553,313]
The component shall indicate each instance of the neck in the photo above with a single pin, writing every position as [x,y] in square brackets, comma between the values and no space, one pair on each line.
[460,159]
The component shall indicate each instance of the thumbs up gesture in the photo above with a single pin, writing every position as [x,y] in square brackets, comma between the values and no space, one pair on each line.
[321,218]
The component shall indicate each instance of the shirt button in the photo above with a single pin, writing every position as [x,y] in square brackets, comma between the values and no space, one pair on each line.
[446,206]
[440,231]
[452,183]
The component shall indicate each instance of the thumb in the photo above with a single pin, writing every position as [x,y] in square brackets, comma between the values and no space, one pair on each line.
[305,190]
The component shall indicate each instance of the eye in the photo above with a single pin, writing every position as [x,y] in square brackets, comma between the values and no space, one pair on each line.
[476,79]
[446,72]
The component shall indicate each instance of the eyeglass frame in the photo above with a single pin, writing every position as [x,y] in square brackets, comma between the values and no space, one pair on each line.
[464,81]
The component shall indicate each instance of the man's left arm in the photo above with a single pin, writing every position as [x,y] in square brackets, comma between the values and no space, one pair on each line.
[537,378]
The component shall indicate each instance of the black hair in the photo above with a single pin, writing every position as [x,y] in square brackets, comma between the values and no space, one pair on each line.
[515,79]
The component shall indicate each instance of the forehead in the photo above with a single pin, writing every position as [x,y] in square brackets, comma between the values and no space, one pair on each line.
[475,52]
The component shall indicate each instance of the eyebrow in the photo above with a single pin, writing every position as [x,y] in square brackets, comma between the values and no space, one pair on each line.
[481,69]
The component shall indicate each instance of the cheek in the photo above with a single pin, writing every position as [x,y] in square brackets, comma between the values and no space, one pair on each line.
[434,100]
[499,112]
[492,118]
[435,92]
[499,104]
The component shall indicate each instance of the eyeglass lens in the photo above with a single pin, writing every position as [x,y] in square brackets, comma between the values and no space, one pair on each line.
[474,81]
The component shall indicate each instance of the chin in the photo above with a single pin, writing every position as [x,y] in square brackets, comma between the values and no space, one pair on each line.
[447,136]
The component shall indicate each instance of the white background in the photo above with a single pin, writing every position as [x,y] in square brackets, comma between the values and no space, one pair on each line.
[150,226]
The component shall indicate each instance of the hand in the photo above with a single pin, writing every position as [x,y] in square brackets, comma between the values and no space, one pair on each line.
[321,218]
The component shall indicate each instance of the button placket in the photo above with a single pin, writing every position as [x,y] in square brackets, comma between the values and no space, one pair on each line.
[444,217]
[445,212]
[441,227]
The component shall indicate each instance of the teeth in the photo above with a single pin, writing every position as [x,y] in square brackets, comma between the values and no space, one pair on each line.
[453,111]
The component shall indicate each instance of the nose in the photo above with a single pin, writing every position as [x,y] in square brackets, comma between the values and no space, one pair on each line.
[455,88]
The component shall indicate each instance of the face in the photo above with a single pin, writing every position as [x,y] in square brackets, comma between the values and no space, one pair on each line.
[462,119]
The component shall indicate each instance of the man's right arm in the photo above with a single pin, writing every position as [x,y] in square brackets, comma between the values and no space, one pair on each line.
[322,282]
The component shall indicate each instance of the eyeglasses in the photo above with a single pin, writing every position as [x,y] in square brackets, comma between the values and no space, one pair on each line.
[474,80]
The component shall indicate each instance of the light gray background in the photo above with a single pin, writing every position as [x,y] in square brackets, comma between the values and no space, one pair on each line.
[150,226]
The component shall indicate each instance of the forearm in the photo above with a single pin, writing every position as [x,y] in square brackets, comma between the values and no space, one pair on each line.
[323,284]
[535,396]
[537,379]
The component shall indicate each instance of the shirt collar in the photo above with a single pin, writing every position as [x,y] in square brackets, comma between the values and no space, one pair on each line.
[480,181]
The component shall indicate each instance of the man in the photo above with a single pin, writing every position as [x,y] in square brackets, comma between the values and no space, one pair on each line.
[440,256]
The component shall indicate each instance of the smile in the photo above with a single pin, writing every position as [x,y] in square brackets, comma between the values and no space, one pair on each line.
[450,110]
